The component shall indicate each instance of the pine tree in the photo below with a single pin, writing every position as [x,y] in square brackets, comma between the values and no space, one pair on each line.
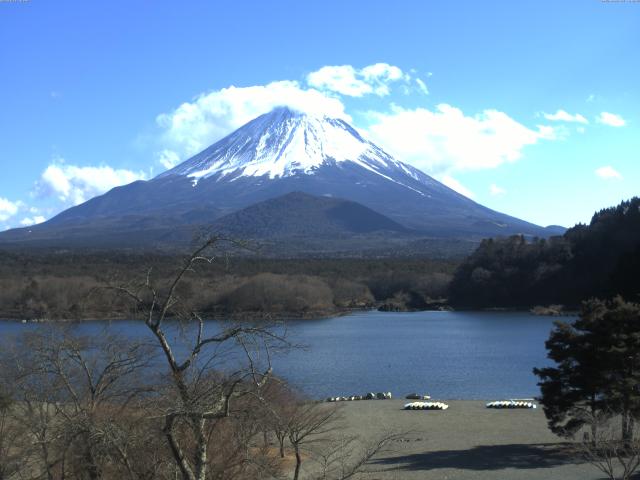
[597,370]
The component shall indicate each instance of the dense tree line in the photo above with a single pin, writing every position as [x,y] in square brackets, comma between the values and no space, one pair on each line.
[596,260]
[63,285]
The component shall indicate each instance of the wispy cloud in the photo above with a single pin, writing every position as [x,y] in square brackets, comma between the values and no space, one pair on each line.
[608,173]
[28,221]
[349,81]
[611,119]
[563,116]
[168,158]
[422,86]
[8,209]
[454,184]
[496,191]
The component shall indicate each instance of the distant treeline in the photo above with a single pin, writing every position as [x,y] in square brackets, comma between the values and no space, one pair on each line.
[70,285]
[601,259]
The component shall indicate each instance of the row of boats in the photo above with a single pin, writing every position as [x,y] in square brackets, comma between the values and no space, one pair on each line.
[426,406]
[366,396]
[511,404]
[422,405]
[496,404]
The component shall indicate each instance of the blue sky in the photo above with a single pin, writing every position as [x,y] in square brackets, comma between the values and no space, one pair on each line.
[529,107]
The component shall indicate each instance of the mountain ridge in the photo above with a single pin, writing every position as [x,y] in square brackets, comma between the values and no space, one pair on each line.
[277,153]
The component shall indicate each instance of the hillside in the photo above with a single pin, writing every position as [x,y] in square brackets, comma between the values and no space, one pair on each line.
[601,259]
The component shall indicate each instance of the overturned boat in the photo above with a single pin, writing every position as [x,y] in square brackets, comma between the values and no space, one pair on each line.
[511,404]
[426,406]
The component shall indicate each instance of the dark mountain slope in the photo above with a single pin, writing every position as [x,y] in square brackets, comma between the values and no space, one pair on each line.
[299,214]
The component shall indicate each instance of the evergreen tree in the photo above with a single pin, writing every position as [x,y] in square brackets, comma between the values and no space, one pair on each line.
[597,370]
[573,391]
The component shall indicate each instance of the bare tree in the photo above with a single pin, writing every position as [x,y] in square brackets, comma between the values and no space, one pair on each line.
[309,424]
[77,400]
[316,430]
[10,436]
[615,457]
[346,456]
[280,403]
[197,394]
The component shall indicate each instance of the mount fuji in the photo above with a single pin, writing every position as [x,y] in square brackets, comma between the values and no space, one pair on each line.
[277,154]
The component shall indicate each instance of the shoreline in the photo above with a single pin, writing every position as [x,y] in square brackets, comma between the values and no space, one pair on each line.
[293,316]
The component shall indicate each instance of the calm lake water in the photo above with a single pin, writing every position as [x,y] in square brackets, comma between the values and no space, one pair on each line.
[449,355]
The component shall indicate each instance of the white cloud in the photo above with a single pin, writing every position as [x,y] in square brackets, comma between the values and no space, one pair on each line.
[72,184]
[495,190]
[547,132]
[563,116]
[340,79]
[422,86]
[611,119]
[454,184]
[8,209]
[28,221]
[195,125]
[446,139]
[438,140]
[168,158]
[608,173]
[349,81]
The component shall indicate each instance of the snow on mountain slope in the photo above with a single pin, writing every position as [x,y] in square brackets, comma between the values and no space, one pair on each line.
[275,154]
[285,143]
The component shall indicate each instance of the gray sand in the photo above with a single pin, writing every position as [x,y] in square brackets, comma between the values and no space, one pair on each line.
[467,441]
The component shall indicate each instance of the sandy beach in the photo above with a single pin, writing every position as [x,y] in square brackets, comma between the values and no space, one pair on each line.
[467,441]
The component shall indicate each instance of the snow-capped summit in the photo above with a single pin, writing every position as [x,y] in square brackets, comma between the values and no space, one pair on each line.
[284,143]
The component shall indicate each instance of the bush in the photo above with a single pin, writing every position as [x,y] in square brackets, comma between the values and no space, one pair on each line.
[268,292]
[350,294]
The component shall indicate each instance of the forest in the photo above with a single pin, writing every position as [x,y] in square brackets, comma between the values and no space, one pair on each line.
[601,259]
[71,285]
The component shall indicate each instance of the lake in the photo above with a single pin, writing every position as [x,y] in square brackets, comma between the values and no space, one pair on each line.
[448,355]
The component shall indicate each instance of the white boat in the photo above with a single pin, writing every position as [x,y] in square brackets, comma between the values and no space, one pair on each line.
[426,406]
[514,403]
